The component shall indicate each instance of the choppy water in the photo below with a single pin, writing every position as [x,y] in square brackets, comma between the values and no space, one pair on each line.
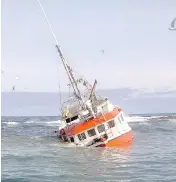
[31,152]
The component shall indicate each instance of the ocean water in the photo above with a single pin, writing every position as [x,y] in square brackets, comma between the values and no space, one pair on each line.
[32,152]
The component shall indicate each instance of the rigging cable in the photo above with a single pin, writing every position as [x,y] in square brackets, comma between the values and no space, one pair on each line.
[48,22]
[66,66]
[60,95]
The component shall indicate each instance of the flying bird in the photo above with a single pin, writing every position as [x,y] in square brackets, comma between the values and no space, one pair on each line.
[17,78]
[102,51]
[173,25]
[13,88]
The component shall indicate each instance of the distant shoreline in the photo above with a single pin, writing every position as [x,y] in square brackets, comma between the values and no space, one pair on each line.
[131,101]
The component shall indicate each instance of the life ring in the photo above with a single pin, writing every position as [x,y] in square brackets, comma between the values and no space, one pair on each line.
[62,132]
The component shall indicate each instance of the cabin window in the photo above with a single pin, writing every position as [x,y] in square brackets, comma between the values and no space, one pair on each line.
[101,128]
[65,138]
[68,120]
[71,139]
[82,136]
[121,118]
[118,119]
[79,136]
[111,123]
[91,132]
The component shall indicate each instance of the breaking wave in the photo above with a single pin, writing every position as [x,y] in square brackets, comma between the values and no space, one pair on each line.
[29,122]
[150,118]
[50,123]
[172,120]
[136,118]
[32,123]
[53,122]
[10,123]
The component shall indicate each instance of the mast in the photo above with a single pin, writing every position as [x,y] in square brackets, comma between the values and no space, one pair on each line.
[66,66]
[69,73]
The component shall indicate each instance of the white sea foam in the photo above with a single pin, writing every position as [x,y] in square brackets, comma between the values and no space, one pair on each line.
[44,122]
[62,144]
[53,123]
[29,122]
[136,118]
[11,123]
[147,118]
[173,120]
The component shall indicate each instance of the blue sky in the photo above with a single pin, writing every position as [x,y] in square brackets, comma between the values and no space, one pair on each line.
[139,50]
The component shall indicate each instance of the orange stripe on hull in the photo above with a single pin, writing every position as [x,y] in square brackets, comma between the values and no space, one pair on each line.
[120,141]
[96,121]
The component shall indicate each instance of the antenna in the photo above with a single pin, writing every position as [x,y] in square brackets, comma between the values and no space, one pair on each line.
[66,66]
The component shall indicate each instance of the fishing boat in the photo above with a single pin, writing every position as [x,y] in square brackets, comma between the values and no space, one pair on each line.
[88,119]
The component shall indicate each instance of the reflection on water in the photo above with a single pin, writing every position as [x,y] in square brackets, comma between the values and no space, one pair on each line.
[119,155]
[101,161]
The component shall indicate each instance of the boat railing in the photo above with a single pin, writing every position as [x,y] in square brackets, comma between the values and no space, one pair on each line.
[70,102]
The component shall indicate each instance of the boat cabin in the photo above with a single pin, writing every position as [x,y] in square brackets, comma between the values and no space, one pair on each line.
[99,132]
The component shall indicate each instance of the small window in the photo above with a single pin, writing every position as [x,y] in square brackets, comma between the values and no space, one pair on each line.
[91,132]
[79,136]
[71,139]
[68,120]
[82,136]
[101,128]
[111,123]
[121,118]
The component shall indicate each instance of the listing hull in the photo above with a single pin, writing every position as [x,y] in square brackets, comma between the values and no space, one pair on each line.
[119,141]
